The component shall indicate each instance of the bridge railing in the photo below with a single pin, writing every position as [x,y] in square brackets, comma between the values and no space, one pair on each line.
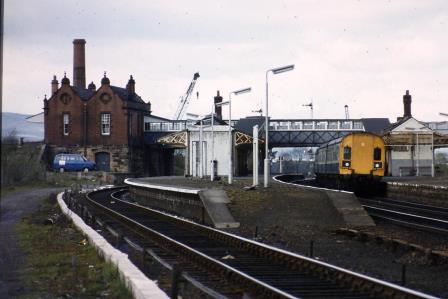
[274,125]
[318,125]
[171,126]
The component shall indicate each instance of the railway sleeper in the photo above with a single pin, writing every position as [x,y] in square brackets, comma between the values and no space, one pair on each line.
[117,237]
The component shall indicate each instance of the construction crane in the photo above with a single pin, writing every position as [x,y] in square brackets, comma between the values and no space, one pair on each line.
[347,116]
[258,111]
[185,99]
[311,107]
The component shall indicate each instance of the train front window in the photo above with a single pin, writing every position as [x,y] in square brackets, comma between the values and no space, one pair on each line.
[347,153]
[376,153]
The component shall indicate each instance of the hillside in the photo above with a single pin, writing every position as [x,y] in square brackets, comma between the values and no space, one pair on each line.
[15,121]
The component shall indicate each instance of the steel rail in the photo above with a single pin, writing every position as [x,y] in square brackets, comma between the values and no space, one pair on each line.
[329,272]
[193,253]
[410,220]
[430,211]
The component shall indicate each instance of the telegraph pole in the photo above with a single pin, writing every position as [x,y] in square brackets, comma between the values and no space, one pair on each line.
[2,14]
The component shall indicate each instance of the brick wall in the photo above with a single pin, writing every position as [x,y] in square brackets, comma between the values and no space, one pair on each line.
[105,101]
[64,101]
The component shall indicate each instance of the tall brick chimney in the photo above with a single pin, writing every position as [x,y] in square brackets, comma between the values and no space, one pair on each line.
[407,100]
[79,63]
[218,110]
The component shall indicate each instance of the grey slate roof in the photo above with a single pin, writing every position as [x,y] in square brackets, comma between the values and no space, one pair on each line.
[84,94]
[125,95]
[376,125]
[208,121]
[246,125]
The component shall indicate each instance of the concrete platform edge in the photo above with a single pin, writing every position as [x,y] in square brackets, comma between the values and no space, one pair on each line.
[436,187]
[350,209]
[135,182]
[141,286]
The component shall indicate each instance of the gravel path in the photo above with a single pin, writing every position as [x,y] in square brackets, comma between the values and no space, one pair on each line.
[13,207]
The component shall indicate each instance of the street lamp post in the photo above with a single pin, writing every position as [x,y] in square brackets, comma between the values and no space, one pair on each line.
[201,154]
[212,162]
[229,102]
[275,71]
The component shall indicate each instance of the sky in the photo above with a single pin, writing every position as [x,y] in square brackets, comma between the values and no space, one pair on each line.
[364,54]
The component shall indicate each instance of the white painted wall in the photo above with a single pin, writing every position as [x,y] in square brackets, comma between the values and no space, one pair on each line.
[221,149]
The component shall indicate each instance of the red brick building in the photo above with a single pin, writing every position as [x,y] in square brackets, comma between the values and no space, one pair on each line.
[104,124]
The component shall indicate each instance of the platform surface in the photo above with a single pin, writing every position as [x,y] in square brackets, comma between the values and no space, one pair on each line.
[421,180]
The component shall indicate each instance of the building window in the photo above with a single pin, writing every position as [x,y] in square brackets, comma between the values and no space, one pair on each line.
[347,153]
[105,123]
[65,123]
[377,154]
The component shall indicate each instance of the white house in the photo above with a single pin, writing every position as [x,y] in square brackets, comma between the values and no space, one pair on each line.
[410,145]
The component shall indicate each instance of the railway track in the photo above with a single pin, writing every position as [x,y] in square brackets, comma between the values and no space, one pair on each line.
[419,216]
[228,266]
[414,215]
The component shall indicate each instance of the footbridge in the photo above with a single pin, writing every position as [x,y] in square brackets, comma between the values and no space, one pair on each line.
[282,132]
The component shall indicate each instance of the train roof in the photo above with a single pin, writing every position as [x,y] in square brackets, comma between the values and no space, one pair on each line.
[338,140]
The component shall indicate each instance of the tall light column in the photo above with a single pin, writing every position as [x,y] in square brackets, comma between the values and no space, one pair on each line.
[266,123]
[237,92]
[212,162]
[201,153]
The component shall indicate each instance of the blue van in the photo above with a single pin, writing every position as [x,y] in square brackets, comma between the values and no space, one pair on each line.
[75,162]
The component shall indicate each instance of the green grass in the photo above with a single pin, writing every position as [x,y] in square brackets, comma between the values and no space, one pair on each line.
[59,264]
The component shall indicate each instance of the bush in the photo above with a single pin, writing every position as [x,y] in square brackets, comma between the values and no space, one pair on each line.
[20,164]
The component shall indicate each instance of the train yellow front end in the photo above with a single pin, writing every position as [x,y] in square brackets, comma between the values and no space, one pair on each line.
[353,162]
[362,154]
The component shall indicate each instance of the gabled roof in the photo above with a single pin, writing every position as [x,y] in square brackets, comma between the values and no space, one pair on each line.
[125,95]
[396,124]
[408,124]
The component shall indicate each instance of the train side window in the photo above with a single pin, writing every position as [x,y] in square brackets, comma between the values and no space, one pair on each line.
[376,153]
[347,152]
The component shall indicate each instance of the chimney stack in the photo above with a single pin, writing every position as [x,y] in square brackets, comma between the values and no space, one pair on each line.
[79,63]
[92,87]
[407,100]
[131,85]
[54,85]
[218,110]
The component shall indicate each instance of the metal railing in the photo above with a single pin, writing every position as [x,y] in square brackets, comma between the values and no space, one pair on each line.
[172,126]
[274,125]
[316,125]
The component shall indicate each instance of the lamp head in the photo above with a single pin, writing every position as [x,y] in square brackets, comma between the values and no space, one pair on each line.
[242,91]
[222,104]
[283,69]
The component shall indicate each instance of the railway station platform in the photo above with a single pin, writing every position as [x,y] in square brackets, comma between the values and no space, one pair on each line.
[421,180]
[207,205]
[427,190]
[231,206]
